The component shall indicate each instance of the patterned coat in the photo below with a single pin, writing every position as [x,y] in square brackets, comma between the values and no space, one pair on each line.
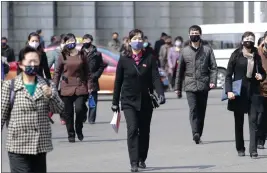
[29,130]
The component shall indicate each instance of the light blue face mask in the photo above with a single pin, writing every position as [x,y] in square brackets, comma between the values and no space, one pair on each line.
[145,44]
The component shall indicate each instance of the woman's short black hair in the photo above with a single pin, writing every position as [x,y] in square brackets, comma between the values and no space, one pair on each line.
[246,34]
[88,36]
[179,38]
[134,32]
[260,41]
[69,36]
[33,34]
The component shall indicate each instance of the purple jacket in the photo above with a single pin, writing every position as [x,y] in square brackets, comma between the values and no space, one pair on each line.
[173,56]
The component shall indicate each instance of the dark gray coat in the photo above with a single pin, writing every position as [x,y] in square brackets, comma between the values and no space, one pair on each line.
[197,68]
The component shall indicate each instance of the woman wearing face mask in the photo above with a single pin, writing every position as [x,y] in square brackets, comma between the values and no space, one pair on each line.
[173,58]
[74,87]
[34,42]
[245,63]
[26,101]
[137,73]
[147,47]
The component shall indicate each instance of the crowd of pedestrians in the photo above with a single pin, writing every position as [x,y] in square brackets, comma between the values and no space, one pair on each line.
[190,65]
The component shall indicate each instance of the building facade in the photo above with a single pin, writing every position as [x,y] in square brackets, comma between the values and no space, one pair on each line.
[102,18]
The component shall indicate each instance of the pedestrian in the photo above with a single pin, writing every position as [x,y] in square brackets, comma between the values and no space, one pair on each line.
[115,43]
[198,69]
[34,42]
[29,135]
[96,68]
[41,35]
[260,42]
[147,47]
[245,64]
[75,84]
[136,74]
[125,44]
[160,42]
[173,58]
[262,131]
[7,51]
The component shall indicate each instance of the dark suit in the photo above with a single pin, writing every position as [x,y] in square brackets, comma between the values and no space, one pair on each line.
[96,68]
[250,101]
[133,82]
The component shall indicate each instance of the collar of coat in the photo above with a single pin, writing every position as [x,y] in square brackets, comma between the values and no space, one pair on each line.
[18,84]
[144,55]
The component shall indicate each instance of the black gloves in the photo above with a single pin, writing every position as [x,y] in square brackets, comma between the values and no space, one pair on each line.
[115,108]
[162,99]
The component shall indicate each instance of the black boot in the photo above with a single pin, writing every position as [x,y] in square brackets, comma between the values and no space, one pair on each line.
[80,136]
[241,153]
[196,138]
[254,155]
[142,165]
[134,167]
[71,139]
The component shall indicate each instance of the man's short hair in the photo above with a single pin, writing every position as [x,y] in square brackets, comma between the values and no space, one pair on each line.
[4,38]
[115,33]
[265,34]
[88,36]
[163,34]
[195,28]
[39,31]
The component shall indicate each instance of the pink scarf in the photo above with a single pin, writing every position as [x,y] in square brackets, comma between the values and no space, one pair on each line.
[137,58]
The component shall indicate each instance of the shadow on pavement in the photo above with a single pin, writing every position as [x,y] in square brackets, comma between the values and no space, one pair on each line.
[214,142]
[105,122]
[93,141]
[178,167]
[65,137]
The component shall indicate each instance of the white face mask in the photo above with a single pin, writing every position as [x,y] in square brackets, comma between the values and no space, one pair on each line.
[34,44]
[178,43]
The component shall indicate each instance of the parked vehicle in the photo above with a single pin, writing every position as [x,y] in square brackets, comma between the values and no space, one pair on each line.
[225,38]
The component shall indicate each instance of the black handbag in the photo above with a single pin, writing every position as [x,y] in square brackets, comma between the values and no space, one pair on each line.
[154,98]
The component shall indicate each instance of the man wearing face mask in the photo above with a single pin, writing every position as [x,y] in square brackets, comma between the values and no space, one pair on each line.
[198,68]
[96,68]
[7,51]
[263,117]
[115,43]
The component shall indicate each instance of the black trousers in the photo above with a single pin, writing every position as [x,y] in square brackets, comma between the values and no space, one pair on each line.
[79,102]
[262,122]
[138,132]
[92,111]
[25,163]
[253,130]
[197,102]
[60,115]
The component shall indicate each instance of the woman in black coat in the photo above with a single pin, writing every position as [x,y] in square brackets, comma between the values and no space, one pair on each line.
[245,64]
[34,42]
[136,74]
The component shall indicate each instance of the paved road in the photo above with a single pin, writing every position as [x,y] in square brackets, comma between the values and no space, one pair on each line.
[171,148]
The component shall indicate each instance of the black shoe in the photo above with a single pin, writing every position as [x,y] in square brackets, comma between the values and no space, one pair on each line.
[80,136]
[241,153]
[261,147]
[196,138]
[254,155]
[134,168]
[71,139]
[142,165]
[91,122]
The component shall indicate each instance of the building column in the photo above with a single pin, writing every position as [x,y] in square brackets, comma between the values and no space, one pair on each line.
[4,19]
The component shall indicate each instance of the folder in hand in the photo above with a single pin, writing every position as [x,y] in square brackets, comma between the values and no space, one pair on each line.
[115,122]
[236,89]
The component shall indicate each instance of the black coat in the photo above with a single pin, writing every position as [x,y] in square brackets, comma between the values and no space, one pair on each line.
[43,68]
[197,68]
[158,45]
[8,52]
[250,90]
[95,64]
[133,86]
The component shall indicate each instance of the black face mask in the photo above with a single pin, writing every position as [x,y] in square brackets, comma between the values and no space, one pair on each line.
[248,44]
[194,38]
[3,44]
[86,45]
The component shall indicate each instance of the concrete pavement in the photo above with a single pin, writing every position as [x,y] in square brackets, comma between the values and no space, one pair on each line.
[171,146]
